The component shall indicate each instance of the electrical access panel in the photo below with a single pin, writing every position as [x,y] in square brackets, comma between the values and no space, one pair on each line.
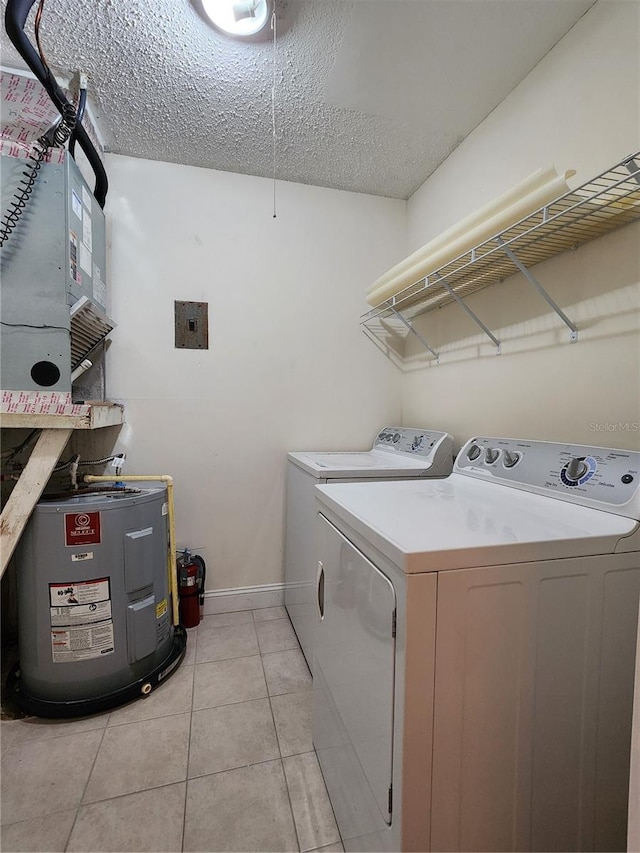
[53,278]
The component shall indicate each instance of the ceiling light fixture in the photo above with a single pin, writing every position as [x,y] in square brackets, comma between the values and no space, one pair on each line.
[238,17]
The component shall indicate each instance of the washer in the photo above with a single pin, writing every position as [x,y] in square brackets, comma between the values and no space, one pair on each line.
[397,453]
[475,649]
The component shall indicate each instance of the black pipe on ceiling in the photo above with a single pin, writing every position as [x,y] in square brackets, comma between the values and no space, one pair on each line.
[15,19]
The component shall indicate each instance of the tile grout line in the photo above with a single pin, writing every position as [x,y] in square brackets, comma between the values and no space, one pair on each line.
[219,660]
[99,802]
[186,781]
[284,772]
[86,784]
[267,695]
[146,719]
[107,726]
[286,778]
[230,769]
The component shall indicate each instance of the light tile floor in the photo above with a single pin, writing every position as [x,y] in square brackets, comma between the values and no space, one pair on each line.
[219,758]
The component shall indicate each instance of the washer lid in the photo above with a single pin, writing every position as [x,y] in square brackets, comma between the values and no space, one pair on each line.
[370,463]
[458,523]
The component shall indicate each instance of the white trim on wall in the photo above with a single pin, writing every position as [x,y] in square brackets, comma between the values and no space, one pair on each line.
[243,598]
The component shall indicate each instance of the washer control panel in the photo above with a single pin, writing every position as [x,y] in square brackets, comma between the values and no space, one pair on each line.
[594,476]
[415,441]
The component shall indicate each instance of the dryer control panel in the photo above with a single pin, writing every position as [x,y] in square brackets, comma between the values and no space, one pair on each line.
[602,477]
[415,441]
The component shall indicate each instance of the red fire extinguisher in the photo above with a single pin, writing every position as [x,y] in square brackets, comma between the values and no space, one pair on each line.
[192,573]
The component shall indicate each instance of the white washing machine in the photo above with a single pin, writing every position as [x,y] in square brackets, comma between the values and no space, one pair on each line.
[475,651]
[397,453]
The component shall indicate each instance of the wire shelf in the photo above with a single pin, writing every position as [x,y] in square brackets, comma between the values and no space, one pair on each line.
[604,204]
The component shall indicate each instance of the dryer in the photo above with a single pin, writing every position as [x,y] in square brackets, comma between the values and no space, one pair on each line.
[475,649]
[398,453]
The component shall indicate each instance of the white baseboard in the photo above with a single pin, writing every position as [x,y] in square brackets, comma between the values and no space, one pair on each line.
[243,598]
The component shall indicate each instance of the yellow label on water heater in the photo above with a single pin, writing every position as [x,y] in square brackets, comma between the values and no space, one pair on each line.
[161,608]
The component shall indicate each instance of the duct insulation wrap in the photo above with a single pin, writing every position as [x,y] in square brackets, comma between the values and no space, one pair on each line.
[94,609]
[536,191]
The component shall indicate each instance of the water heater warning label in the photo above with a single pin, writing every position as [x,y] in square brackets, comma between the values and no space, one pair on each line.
[81,643]
[81,528]
[81,614]
[79,592]
[81,620]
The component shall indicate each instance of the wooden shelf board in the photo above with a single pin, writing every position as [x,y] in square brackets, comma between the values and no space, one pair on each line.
[99,415]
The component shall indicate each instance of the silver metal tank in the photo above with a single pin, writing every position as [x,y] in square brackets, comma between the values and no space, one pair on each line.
[94,606]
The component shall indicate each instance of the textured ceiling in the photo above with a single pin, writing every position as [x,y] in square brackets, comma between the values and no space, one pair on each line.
[371,95]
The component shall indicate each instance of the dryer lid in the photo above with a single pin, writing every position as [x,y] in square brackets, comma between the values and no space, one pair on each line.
[370,463]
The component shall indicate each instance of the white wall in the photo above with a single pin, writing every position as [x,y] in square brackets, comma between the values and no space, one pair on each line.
[579,108]
[287,366]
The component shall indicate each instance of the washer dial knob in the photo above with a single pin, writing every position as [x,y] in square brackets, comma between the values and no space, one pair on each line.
[491,454]
[473,452]
[576,469]
[510,458]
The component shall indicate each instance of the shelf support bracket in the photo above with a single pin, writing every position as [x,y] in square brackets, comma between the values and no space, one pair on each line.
[422,340]
[633,168]
[468,310]
[573,329]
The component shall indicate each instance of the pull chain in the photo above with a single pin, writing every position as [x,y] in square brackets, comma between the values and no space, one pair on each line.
[273,109]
